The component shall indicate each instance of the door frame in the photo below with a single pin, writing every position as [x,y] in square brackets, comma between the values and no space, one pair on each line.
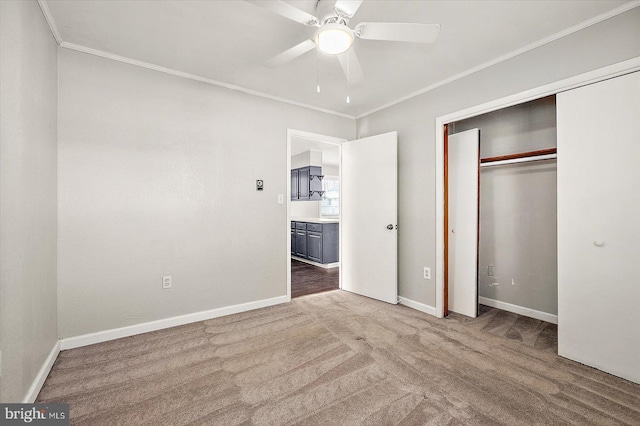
[331,140]
[611,71]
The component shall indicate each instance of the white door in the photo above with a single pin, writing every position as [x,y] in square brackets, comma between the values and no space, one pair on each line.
[599,225]
[464,158]
[369,200]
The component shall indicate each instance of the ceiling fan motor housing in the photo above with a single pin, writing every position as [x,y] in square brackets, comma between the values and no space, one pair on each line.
[327,13]
[334,37]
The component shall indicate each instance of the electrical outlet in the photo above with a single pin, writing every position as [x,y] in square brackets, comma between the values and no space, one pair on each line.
[166,281]
[280,198]
[427,273]
[491,270]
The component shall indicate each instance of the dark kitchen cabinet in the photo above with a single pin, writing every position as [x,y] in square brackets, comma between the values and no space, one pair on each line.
[306,184]
[303,183]
[294,184]
[317,242]
[314,246]
[301,243]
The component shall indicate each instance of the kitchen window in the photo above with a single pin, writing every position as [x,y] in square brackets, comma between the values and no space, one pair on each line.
[330,204]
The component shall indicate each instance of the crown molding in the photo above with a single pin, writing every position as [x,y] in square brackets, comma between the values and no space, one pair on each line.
[177,73]
[535,45]
[56,34]
[44,7]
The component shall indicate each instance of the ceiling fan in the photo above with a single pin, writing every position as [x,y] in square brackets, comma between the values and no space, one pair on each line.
[335,37]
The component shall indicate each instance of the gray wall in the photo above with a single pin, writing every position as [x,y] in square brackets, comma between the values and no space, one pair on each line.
[28,81]
[518,207]
[605,43]
[526,127]
[518,235]
[157,177]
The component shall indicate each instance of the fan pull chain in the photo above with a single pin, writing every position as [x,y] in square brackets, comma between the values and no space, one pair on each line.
[318,70]
[348,74]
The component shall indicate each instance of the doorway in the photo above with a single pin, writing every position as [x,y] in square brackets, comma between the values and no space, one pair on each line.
[313,214]
[367,222]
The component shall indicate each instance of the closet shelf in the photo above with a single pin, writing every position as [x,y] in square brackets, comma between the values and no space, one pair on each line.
[522,157]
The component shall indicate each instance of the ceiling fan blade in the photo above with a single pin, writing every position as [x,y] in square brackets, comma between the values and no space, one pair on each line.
[285,9]
[393,31]
[351,66]
[348,7]
[291,54]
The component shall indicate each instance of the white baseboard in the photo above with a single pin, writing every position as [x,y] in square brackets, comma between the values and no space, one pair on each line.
[34,390]
[521,310]
[132,330]
[321,265]
[417,306]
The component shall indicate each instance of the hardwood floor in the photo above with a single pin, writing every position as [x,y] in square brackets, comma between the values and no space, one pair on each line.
[309,279]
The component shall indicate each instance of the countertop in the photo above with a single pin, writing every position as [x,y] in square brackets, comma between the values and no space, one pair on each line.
[315,220]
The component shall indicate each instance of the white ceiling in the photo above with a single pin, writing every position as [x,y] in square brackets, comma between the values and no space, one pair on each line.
[229,41]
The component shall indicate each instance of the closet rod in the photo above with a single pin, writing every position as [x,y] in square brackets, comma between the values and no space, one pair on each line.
[519,160]
[522,157]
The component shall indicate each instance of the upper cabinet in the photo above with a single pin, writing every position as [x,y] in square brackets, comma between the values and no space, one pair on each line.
[306,184]
[303,183]
[294,184]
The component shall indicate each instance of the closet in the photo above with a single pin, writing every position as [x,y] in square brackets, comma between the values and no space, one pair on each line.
[516,265]
[594,247]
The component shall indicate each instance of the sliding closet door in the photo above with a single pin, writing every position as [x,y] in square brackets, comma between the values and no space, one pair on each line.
[464,160]
[599,225]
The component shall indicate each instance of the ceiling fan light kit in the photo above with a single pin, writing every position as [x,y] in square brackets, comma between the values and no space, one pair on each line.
[334,39]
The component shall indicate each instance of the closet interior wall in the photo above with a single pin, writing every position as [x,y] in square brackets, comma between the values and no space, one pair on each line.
[518,208]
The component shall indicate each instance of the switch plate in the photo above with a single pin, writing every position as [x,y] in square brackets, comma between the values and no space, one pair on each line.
[491,270]
[427,273]
[166,281]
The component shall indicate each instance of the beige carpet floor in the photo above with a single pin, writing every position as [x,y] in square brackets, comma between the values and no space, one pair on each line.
[528,331]
[334,358]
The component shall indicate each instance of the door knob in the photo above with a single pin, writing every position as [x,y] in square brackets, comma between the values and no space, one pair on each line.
[389,227]
[453,231]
